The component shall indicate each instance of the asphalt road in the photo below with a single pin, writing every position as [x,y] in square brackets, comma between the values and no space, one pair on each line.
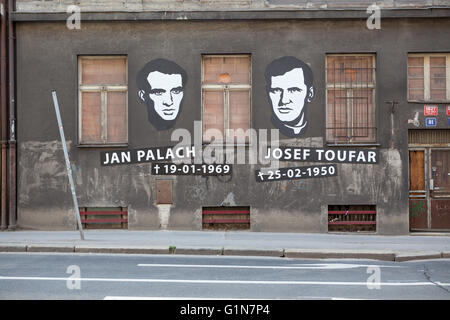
[166,277]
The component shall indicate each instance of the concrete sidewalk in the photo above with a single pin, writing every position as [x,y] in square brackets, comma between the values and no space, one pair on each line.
[290,245]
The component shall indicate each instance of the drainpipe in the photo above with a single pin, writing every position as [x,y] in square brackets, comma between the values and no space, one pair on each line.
[12,121]
[4,122]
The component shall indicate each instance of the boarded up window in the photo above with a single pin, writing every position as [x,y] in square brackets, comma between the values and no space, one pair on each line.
[416,83]
[428,77]
[104,217]
[351,99]
[226,218]
[213,109]
[226,93]
[91,115]
[103,100]
[437,78]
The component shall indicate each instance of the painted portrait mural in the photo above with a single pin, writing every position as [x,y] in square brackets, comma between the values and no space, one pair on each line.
[289,86]
[161,84]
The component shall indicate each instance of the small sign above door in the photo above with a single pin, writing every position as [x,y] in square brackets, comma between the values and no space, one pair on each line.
[430,122]
[429,110]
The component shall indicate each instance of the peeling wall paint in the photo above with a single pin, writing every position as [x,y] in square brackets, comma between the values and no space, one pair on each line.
[164,215]
[44,199]
[41,167]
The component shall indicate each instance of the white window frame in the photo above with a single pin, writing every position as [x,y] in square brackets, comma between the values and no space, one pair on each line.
[426,76]
[103,90]
[226,89]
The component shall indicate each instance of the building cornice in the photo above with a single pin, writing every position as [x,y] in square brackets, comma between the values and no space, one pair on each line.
[234,15]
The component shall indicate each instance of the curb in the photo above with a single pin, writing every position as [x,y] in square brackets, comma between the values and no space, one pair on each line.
[339,254]
[49,248]
[13,248]
[198,251]
[128,250]
[400,257]
[224,251]
[253,252]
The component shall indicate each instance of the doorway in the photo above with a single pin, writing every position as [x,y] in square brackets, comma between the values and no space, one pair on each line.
[429,189]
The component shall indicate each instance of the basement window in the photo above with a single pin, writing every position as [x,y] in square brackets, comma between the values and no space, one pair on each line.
[352,218]
[104,217]
[226,218]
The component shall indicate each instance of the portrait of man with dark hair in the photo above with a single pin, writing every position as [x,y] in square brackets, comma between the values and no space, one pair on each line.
[289,86]
[161,84]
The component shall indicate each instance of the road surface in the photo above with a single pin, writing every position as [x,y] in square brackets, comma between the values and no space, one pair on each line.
[166,277]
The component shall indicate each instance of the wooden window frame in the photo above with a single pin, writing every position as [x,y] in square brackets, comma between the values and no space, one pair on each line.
[349,93]
[226,89]
[103,90]
[427,77]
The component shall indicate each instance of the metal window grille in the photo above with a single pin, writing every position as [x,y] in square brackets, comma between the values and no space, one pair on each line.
[104,217]
[429,137]
[226,218]
[350,99]
[352,218]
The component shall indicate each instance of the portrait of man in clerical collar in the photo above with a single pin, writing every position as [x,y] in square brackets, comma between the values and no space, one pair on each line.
[289,85]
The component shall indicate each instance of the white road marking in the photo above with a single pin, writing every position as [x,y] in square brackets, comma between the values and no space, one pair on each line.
[268,282]
[318,266]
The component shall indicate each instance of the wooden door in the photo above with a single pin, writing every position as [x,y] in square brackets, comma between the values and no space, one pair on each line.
[440,189]
[418,213]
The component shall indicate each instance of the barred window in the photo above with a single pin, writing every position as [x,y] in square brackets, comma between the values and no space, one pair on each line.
[429,77]
[102,94]
[226,92]
[350,99]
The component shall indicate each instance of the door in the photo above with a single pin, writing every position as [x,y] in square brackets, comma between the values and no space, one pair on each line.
[440,189]
[429,189]
[418,213]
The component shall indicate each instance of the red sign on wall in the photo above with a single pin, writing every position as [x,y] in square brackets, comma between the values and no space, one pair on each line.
[431,110]
[448,110]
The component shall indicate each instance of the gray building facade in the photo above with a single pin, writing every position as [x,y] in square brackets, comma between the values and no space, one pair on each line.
[374,89]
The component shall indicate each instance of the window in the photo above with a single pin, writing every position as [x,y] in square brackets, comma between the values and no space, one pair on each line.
[226,218]
[428,77]
[350,99]
[226,92]
[102,94]
[352,218]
